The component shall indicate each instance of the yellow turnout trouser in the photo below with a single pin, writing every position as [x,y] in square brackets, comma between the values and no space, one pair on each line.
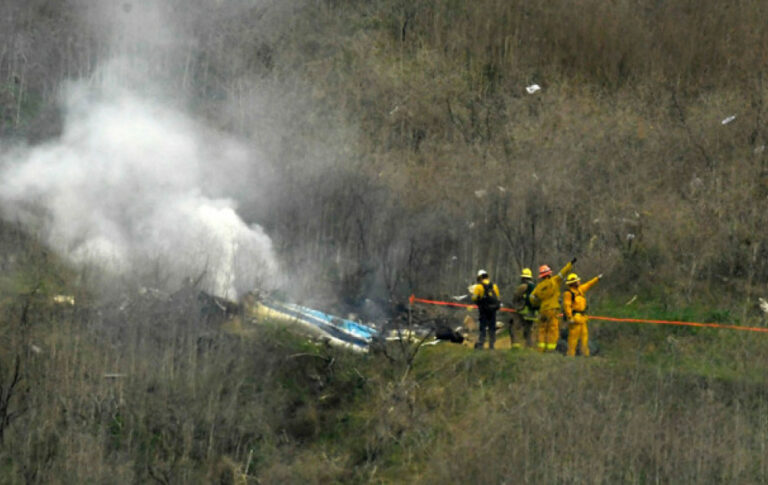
[578,334]
[549,330]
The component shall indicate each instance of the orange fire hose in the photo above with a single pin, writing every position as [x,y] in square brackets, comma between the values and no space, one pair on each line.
[413,299]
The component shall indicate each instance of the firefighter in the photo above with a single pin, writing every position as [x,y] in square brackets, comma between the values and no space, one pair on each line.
[525,312]
[575,312]
[486,295]
[547,296]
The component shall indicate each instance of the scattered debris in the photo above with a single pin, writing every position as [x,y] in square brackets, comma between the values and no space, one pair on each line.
[64,299]
[34,348]
[334,330]
[481,193]
[631,301]
[402,334]
[728,120]
[469,324]
[759,149]
[592,241]
[763,305]
[533,88]
[215,308]
[114,375]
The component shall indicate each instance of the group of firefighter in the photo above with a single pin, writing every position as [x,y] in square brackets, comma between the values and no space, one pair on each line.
[537,306]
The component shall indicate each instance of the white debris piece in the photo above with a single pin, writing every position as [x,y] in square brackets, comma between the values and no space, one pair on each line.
[64,299]
[402,334]
[760,149]
[763,305]
[728,120]
[533,88]
[592,241]
[481,193]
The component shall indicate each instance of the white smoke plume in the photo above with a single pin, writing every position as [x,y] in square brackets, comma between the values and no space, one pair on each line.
[133,185]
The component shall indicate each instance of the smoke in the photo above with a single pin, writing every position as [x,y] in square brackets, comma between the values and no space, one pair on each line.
[136,187]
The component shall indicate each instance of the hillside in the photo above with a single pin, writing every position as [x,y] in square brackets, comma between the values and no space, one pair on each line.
[402,150]
[152,392]
[147,389]
[345,155]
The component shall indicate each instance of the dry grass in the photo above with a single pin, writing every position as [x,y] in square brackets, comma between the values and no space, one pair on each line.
[587,422]
[385,118]
[151,392]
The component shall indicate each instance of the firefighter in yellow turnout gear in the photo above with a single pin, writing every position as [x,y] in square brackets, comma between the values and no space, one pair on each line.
[547,295]
[575,312]
[525,314]
[486,295]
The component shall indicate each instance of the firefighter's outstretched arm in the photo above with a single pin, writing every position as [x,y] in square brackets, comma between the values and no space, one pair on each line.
[589,284]
[566,269]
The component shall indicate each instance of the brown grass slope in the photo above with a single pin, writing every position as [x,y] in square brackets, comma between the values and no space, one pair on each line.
[146,389]
[386,119]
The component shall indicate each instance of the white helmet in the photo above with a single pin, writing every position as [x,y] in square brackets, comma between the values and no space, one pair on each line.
[482,272]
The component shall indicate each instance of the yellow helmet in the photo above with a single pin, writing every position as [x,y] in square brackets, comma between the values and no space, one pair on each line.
[572,278]
[526,273]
